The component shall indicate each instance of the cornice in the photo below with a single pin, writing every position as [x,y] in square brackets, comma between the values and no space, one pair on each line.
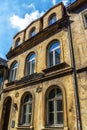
[75,5]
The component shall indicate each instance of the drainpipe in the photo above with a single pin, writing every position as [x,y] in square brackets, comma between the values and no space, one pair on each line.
[77,103]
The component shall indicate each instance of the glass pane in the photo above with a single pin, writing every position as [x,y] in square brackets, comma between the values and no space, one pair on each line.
[11,73]
[27,98]
[54,45]
[14,74]
[51,106]
[32,57]
[51,118]
[17,44]
[86,19]
[15,65]
[59,93]
[57,56]
[24,119]
[59,118]
[52,94]
[29,118]
[29,108]
[25,109]
[28,68]
[33,32]
[33,66]
[1,79]
[52,20]
[59,105]
[51,59]
[12,78]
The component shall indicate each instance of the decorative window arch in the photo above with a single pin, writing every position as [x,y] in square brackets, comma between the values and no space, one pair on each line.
[52,19]
[54,53]
[13,71]
[17,43]
[30,64]
[26,109]
[32,32]
[54,101]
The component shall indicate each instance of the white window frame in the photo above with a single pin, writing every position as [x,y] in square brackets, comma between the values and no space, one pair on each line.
[53,52]
[13,72]
[52,19]
[31,66]
[55,108]
[27,113]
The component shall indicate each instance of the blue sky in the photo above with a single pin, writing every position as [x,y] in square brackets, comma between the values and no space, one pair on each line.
[15,15]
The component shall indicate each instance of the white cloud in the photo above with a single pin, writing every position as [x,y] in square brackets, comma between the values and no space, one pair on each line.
[21,23]
[54,2]
[29,6]
[66,2]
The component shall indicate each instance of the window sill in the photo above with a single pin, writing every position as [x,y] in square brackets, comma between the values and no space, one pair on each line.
[24,127]
[10,83]
[54,128]
[56,67]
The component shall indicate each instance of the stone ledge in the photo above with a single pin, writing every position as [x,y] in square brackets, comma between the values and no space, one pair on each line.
[22,127]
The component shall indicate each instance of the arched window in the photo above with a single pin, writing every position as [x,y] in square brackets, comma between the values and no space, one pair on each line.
[54,54]
[30,64]
[17,42]
[13,71]
[55,107]
[52,19]
[32,32]
[26,114]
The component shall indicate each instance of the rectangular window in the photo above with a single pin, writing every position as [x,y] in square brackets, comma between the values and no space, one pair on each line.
[85,17]
[84,14]
[1,80]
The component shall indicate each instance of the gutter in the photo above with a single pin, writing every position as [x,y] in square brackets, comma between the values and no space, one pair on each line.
[77,102]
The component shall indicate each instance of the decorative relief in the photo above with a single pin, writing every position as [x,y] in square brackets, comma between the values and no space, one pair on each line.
[38,89]
[17,94]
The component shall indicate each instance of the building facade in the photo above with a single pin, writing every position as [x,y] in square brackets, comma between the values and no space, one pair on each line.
[3,70]
[45,88]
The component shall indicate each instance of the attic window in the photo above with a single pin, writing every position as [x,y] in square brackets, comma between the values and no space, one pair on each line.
[17,42]
[32,32]
[52,19]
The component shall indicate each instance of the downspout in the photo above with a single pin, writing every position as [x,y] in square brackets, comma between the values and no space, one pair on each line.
[77,103]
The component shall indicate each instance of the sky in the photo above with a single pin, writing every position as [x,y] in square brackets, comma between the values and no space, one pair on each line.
[15,15]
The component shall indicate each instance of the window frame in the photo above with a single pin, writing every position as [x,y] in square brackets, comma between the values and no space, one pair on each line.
[52,19]
[29,63]
[53,53]
[84,18]
[17,43]
[22,122]
[32,32]
[1,80]
[55,107]
[13,72]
